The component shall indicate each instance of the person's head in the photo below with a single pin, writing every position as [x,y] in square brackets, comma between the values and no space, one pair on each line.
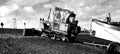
[109,14]
[2,24]
[72,17]
[57,10]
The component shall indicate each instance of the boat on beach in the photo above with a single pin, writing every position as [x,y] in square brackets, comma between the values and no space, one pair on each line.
[106,30]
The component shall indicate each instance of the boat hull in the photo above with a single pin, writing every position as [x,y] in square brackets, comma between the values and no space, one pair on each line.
[106,31]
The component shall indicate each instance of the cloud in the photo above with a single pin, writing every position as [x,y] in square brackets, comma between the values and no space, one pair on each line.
[48,6]
[5,10]
[22,10]
[29,9]
[29,24]
[118,11]
[2,2]
[8,21]
[27,3]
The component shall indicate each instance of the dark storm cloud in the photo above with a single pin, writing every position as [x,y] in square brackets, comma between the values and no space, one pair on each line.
[2,2]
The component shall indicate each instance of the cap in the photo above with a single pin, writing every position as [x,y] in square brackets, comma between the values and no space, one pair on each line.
[72,15]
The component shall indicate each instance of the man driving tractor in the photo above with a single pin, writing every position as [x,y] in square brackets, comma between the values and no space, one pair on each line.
[72,27]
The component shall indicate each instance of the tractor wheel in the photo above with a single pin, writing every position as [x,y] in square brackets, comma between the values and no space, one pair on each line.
[113,48]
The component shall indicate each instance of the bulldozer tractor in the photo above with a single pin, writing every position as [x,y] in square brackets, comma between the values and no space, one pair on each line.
[63,24]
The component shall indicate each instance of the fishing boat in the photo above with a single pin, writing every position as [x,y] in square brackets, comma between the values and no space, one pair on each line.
[107,29]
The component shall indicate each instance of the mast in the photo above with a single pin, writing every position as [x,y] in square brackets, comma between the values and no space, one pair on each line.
[109,14]
[91,26]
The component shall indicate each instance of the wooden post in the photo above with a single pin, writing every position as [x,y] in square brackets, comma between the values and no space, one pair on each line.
[24,29]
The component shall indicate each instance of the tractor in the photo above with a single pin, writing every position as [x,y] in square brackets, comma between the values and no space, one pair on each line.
[61,25]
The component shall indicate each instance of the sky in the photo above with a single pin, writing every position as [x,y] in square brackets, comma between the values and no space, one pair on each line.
[30,11]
